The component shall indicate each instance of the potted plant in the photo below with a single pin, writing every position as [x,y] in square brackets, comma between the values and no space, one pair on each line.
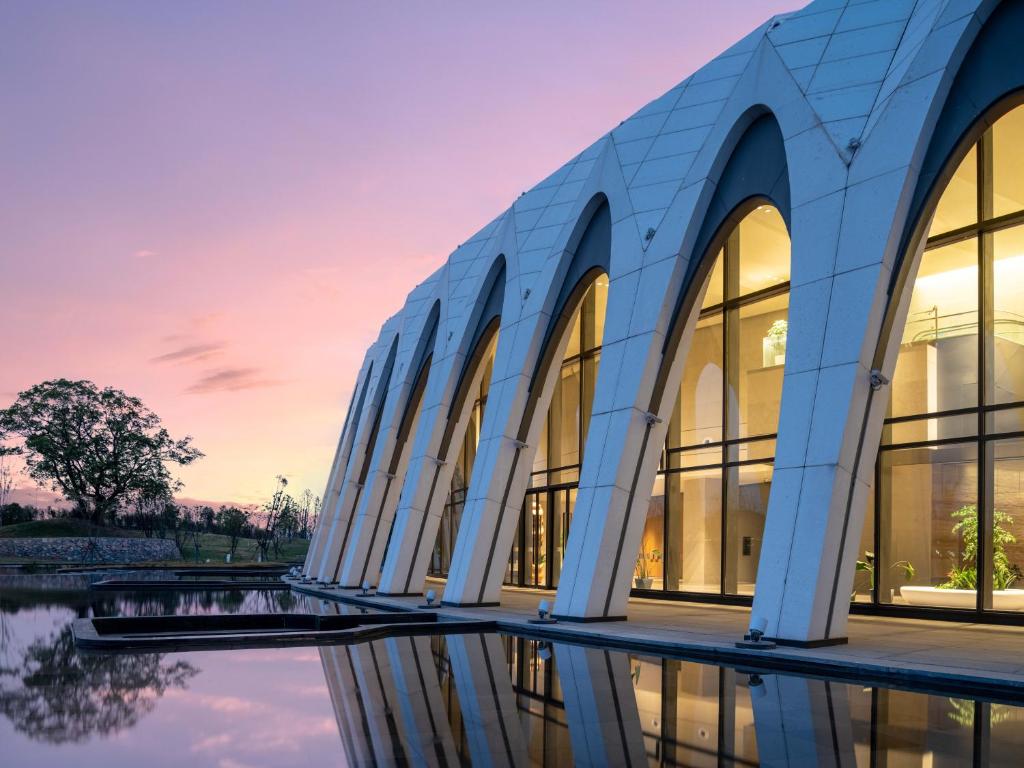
[961,585]
[773,346]
[867,565]
[643,579]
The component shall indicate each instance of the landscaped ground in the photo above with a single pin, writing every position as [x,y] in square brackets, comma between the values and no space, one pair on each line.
[212,546]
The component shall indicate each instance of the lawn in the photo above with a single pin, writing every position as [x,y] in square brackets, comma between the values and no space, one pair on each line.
[212,546]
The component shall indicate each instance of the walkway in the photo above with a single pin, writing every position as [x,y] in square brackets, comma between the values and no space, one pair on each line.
[930,655]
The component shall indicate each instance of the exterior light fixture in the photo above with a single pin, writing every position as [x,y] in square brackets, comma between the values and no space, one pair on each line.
[431,596]
[754,639]
[878,379]
[544,614]
[366,587]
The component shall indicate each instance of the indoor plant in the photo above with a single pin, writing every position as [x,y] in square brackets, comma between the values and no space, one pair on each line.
[643,579]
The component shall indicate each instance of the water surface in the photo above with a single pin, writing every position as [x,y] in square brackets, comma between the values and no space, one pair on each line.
[475,699]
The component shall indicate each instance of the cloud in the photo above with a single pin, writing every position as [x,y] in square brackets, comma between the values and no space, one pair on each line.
[231,380]
[189,353]
[144,254]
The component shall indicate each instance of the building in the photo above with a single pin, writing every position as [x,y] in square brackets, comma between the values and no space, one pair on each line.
[762,343]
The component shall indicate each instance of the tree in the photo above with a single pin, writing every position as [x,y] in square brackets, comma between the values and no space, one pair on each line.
[232,524]
[61,696]
[273,514]
[95,446]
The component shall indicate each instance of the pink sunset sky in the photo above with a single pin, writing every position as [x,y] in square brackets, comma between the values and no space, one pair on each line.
[215,205]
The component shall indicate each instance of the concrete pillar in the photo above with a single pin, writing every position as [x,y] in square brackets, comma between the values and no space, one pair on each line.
[362,555]
[348,708]
[429,476]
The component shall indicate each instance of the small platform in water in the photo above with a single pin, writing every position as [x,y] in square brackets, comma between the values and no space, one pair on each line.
[182,585]
[263,630]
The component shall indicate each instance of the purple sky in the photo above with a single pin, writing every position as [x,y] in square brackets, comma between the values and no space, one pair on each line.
[214,205]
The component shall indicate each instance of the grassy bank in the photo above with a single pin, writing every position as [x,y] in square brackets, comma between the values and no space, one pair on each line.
[212,546]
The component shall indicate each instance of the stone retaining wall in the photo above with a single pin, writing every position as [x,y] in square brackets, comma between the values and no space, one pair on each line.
[90,550]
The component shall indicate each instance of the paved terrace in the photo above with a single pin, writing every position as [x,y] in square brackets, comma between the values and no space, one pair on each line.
[937,656]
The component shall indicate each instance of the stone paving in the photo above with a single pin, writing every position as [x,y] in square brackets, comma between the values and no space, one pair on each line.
[985,659]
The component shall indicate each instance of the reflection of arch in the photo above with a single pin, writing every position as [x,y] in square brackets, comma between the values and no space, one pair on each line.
[416,527]
[342,523]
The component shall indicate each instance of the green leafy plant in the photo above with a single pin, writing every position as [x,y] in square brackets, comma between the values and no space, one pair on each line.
[642,561]
[778,331]
[964,574]
[867,565]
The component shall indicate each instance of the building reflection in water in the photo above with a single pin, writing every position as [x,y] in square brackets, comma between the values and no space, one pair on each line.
[507,701]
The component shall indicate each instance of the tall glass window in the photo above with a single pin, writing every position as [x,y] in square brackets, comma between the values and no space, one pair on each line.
[707,510]
[539,546]
[947,527]
[451,516]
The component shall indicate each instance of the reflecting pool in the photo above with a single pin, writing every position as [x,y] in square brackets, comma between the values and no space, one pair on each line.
[472,699]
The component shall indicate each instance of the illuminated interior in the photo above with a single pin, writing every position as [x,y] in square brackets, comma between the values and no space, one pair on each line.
[950,472]
[451,516]
[539,545]
[716,466]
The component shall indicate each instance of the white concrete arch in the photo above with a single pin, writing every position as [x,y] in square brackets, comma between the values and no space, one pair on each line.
[632,407]
[825,456]
[521,391]
[416,341]
[335,517]
[455,373]
[339,466]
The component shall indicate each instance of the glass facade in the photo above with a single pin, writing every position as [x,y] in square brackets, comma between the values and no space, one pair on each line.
[451,516]
[539,545]
[706,514]
[946,525]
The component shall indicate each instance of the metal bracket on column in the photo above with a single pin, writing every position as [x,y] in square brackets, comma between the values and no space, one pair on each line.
[877,379]
[652,418]
[518,443]
[438,462]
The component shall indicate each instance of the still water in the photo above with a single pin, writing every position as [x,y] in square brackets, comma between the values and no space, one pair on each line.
[445,700]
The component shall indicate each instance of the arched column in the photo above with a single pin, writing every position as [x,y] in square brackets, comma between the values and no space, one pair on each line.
[745,157]
[446,412]
[336,525]
[521,390]
[338,469]
[415,343]
[849,259]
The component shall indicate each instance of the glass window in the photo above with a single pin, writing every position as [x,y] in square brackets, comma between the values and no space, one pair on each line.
[730,392]
[715,293]
[747,490]
[958,206]
[451,514]
[1007,358]
[1008,163]
[1008,526]
[937,367]
[927,496]
[700,395]
[694,530]
[763,250]
[757,372]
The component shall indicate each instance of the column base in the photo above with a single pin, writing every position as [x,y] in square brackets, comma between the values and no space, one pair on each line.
[588,619]
[823,643]
[453,604]
[400,594]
